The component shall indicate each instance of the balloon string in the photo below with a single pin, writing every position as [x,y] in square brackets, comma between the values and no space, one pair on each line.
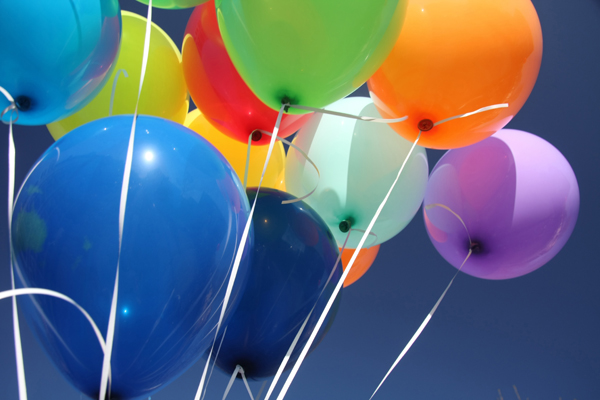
[114,89]
[123,205]
[359,117]
[422,327]
[247,161]
[231,380]
[11,195]
[344,275]
[246,383]
[307,159]
[240,251]
[262,387]
[492,107]
[370,233]
[297,338]
[215,361]
[433,205]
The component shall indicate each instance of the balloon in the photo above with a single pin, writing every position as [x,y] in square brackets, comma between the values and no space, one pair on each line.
[185,214]
[293,256]
[217,88]
[174,4]
[518,198]
[56,55]
[358,162]
[363,262]
[164,93]
[309,52]
[455,57]
[235,152]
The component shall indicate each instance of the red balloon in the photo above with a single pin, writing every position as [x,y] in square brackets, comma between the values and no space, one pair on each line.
[217,88]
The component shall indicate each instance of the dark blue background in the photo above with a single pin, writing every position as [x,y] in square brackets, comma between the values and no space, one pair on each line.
[539,332]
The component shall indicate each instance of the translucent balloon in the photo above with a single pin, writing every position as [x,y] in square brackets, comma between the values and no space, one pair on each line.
[455,57]
[56,55]
[310,52]
[235,152]
[358,162]
[517,196]
[361,265]
[164,93]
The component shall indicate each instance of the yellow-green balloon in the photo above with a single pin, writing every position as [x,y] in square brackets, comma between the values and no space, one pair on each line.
[174,4]
[164,93]
[310,52]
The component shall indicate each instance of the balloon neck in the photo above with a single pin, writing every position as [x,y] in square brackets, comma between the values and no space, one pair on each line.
[346,224]
[425,125]
[286,100]
[475,247]
[256,135]
[23,103]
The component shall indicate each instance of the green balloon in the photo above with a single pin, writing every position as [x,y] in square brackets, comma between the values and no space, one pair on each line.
[358,162]
[174,4]
[308,52]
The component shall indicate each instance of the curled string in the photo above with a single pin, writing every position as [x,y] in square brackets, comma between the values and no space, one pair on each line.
[123,205]
[114,89]
[11,195]
[356,252]
[433,205]
[295,341]
[240,251]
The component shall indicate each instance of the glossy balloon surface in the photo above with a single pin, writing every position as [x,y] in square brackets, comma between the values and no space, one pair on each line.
[235,152]
[518,198]
[454,57]
[184,217]
[358,161]
[56,55]
[174,4]
[164,93]
[294,254]
[361,265]
[218,89]
[310,52]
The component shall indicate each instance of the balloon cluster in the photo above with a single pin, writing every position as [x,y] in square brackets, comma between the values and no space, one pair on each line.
[506,198]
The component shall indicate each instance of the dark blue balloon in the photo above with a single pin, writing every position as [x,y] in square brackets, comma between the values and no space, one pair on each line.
[186,211]
[294,253]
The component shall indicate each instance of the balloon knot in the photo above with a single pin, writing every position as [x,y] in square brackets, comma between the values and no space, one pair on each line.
[23,103]
[286,100]
[475,247]
[256,135]
[425,125]
[346,224]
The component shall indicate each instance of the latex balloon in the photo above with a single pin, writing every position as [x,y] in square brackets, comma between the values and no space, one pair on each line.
[358,162]
[235,152]
[361,265]
[56,55]
[218,89]
[294,254]
[185,214]
[455,57]
[308,52]
[174,4]
[164,93]
[518,198]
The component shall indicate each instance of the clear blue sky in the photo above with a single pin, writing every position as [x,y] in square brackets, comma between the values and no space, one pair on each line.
[539,332]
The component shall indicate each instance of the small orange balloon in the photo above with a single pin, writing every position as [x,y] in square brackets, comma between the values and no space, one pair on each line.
[362,263]
[454,57]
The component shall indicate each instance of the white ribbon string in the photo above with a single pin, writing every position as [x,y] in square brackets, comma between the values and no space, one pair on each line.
[11,195]
[356,252]
[240,251]
[123,205]
[215,361]
[493,107]
[231,380]
[114,89]
[246,383]
[288,355]
[359,117]
[421,328]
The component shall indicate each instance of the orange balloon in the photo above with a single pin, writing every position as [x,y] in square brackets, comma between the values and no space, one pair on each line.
[362,263]
[457,56]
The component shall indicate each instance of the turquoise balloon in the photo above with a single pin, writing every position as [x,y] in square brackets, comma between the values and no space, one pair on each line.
[56,55]
[358,162]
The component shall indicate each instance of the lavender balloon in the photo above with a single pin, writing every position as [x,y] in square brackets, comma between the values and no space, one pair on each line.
[517,196]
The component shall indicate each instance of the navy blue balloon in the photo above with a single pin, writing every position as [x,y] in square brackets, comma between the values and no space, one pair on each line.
[56,55]
[293,255]
[186,211]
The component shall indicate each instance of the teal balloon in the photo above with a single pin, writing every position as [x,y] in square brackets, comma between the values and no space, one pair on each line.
[358,162]
[56,54]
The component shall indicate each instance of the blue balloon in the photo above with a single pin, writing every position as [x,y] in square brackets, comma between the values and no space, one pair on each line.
[186,211]
[294,253]
[56,55]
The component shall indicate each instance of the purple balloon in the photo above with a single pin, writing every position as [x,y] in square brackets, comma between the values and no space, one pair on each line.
[517,196]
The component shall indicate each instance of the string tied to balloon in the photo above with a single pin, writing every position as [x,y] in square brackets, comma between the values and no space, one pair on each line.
[338,287]
[114,89]
[238,370]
